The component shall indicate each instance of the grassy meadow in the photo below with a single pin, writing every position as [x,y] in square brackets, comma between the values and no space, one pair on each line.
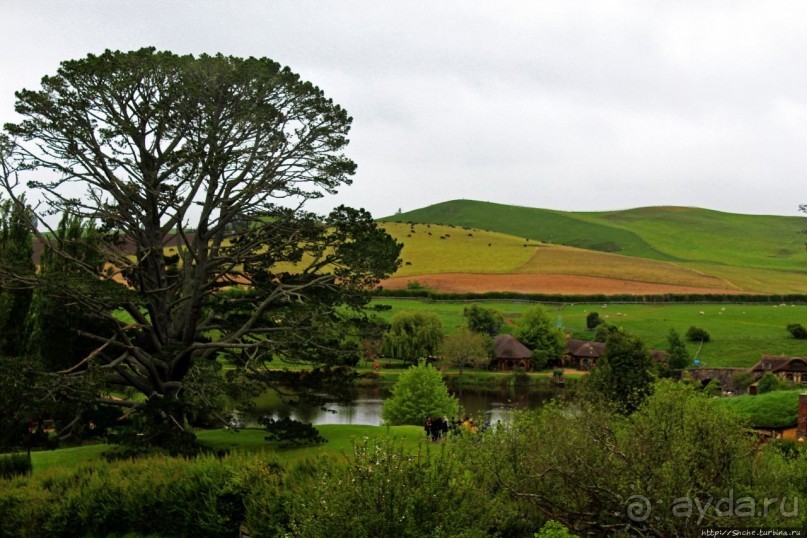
[740,333]
[556,259]
[433,248]
[340,441]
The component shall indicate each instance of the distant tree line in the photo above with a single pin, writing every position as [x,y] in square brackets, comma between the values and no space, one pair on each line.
[598,297]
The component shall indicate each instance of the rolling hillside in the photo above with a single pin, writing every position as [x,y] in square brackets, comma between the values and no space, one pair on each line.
[673,246]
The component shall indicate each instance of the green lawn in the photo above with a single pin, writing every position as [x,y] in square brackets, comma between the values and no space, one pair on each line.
[740,333]
[770,410]
[67,457]
[340,439]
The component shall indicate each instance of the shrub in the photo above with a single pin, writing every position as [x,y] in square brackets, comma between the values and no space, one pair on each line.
[483,320]
[742,380]
[12,465]
[713,388]
[290,432]
[157,495]
[797,330]
[696,334]
[383,490]
[770,382]
[553,529]
[418,394]
[593,320]
[604,330]
[679,356]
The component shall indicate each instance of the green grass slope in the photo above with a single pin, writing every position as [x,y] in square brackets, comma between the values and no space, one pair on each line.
[537,224]
[778,409]
[752,252]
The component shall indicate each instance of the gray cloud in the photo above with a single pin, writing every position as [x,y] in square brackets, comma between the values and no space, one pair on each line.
[567,105]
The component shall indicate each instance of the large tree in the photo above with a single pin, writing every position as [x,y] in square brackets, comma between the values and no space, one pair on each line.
[483,320]
[536,330]
[624,375]
[413,336]
[197,170]
[467,348]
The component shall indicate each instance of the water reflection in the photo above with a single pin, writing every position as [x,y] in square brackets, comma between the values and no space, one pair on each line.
[365,407]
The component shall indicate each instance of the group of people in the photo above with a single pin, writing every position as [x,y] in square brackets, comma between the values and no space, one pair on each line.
[437,427]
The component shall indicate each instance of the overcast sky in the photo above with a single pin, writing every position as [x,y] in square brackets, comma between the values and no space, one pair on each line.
[578,106]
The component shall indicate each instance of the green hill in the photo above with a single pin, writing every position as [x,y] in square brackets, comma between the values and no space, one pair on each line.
[570,229]
[753,252]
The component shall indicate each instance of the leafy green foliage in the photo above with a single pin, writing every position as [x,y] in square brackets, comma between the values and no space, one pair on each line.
[553,529]
[536,330]
[770,382]
[383,490]
[204,495]
[55,321]
[418,394]
[593,320]
[742,380]
[584,467]
[623,375]
[797,330]
[603,331]
[696,334]
[197,171]
[679,356]
[16,273]
[413,336]
[12,465]
[289,432]
[467,348]
[483,320]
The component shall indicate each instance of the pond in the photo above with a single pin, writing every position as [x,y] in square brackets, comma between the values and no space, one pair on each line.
[365,407]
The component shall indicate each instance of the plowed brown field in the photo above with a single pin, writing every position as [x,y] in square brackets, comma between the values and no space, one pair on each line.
[543,283]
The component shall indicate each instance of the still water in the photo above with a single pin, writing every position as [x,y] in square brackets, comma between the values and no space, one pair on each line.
[365,407]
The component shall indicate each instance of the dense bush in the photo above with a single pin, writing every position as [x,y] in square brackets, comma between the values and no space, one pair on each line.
[14,465]
[592,320]
[483,320]
[385,491]
[380,490]
[289,432]
[600,298]
[696,334]
[770,382]
[164,496]
[419,393]
[797,330]
[597,472]
[742,380]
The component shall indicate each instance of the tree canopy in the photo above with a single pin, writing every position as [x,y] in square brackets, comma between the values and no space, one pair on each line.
[419,393]
[536,330]
[624,374]
[197,171]
[679,356]
[413,336]
[483,320]
[467,348]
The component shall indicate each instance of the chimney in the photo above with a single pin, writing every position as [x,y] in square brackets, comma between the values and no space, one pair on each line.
[801,429]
